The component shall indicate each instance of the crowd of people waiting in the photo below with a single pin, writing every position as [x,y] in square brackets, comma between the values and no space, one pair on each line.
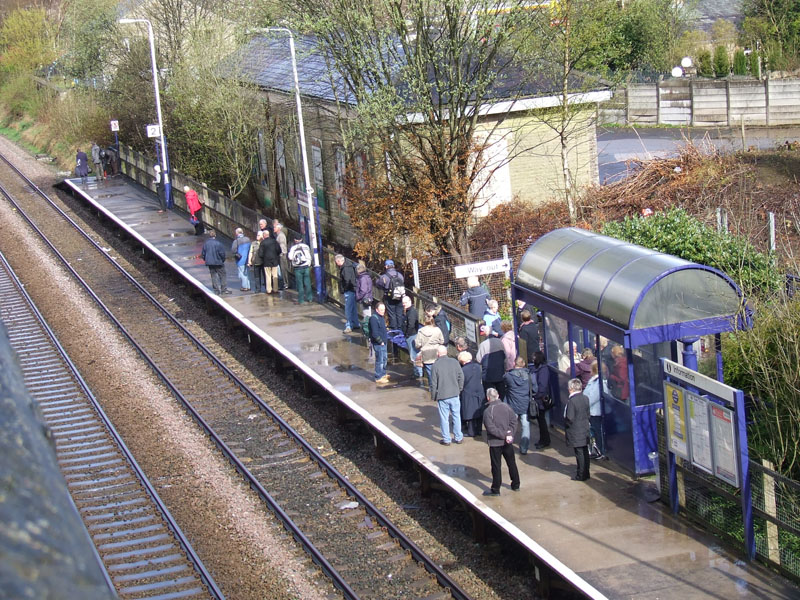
[509,367]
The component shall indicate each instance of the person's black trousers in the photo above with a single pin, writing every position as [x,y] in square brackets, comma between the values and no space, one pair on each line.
[582,456]
[544,432]
[507,452]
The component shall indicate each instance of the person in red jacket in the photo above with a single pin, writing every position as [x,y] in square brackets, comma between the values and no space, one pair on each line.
[618,378]
[194,206]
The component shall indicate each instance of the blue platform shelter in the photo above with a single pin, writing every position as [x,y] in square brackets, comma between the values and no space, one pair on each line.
[631,306]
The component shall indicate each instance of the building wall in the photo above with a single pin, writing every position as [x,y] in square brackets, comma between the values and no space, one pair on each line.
[525,157]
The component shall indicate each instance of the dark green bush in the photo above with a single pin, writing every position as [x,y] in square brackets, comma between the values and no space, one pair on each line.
[676,232]
[739,62]
[722,64]
[705,66]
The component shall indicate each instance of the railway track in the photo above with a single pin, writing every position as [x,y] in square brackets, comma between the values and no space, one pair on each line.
[143,550]
[354,544]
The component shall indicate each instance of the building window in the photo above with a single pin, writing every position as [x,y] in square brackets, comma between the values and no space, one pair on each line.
[339,167]
[319,178]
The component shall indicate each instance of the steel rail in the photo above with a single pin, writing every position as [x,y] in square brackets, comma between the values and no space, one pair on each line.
[183,541]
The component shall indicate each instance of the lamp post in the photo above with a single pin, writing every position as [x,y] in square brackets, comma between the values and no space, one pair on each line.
[309,193]
[164,158]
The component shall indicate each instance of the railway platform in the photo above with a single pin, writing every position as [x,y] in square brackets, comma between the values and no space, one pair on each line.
[602,537]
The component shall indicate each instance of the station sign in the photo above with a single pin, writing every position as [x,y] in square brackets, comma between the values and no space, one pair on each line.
[114,125]
[482,268]
[153,131]
[701,429]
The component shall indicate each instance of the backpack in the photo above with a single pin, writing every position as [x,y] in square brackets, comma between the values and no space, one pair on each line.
[300,257]
[396,289]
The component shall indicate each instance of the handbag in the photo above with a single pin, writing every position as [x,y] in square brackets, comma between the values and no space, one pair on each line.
[237,256]
[547,402]
[533,406]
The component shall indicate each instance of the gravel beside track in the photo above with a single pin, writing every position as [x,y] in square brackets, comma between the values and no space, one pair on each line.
[143,551]
[437,526]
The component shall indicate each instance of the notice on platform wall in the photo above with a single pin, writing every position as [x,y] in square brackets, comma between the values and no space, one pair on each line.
[723,438]
[677,432]
[700,436]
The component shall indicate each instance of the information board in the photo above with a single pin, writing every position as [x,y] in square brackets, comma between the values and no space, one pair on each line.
[675,409]
[699,434]
[723,438]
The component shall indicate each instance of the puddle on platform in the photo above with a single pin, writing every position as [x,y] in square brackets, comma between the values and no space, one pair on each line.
[455,470]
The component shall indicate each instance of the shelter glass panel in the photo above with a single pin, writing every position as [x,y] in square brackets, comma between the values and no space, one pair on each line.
[647,372]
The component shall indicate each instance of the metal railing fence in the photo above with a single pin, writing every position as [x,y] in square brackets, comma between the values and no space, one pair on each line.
[225,215]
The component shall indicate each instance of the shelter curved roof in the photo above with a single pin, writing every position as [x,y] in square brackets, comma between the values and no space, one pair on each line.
[629,287]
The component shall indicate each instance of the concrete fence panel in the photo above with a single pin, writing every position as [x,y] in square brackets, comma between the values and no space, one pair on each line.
[748,102]
[710,107]
[705,103]
[675,102]
[643,104]
[784,107]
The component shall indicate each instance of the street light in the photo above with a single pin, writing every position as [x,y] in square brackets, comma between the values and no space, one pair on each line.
[164,159]
[310,197]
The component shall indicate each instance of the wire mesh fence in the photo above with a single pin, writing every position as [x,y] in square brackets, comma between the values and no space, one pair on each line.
[437,277]
[718,507]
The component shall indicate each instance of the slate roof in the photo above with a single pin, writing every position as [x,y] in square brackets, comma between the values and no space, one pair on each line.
[266,62]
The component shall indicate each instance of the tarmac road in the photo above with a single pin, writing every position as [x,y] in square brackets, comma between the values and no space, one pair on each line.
[619,145]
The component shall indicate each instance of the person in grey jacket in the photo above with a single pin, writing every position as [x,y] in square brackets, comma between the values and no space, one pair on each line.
[576,424]
[501,424]
[447,381]
[213,254]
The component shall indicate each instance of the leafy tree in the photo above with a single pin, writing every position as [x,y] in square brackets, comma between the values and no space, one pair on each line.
[765,363]
[722,64]
[774,23]
[215,118]
[418,70]
[676,232]
[26,42]
[86,35]
[739,62]
[705,66]
[576,36]
[651,34]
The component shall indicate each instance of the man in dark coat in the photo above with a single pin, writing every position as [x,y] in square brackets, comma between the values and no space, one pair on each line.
[541,372]
[391,281]
[379,338]
[501,424]
[447,381]
[441,321]
[347,286]
[472,396]
[576,425]
[270,253]
[492,359]
[213,254]
[528,335]
[475,297]
[518,395]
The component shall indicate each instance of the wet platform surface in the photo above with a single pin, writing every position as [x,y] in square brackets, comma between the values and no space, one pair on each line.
[603,531]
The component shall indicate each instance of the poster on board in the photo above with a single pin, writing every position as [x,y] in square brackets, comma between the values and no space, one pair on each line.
[700,434]
[723,438]
[675,409]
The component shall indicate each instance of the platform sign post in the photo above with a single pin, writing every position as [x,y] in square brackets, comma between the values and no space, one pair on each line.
[705,423]
[115,129]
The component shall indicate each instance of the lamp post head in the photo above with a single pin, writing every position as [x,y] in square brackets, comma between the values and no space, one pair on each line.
[677,72]
[686,62]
